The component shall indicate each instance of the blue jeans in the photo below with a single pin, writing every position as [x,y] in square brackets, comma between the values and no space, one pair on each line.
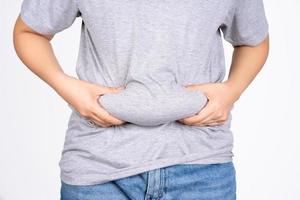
[176,182]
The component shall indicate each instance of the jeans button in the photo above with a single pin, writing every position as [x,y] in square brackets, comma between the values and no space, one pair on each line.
[160,195]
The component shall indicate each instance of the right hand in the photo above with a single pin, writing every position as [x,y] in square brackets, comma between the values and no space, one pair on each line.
[82,96]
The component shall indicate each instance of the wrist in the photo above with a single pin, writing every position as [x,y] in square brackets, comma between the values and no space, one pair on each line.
[234,89]
[58,80]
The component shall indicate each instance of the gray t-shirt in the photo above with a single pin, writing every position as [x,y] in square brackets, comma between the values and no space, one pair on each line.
[153,48]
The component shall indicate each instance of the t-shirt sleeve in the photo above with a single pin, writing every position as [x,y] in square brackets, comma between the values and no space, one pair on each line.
[246,23]
[49,16]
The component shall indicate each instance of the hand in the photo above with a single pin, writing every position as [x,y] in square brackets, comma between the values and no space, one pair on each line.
[82,96]
[221,98]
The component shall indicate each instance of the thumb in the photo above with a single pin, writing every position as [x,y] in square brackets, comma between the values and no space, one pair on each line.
[104,90]
[115,89]
[194,87]
[203,88]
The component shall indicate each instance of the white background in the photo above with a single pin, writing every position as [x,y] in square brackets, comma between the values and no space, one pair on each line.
[265,124]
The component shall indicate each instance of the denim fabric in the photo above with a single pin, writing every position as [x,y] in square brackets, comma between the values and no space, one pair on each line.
[176,182]
[153,49]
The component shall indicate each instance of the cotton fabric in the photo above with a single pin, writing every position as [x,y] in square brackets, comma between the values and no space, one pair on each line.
[154,48]
[182,181]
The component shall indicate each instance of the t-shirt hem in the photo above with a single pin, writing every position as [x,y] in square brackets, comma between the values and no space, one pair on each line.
[87,180]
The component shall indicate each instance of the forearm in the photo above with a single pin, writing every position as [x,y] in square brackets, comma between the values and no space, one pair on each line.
[246,63]
[36,52]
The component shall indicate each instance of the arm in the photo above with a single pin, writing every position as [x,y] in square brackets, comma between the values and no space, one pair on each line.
[36,26]
[246,63]
[35,51]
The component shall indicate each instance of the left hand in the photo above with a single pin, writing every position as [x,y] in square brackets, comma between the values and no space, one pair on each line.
[221,98]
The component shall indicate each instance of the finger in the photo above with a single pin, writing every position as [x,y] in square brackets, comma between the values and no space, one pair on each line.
[210,123]
[103,90]
[98,121]
[121,87]
[215,117]
[105,116]
[206,112]
[194,87]
[190,87]
[206,124]
[106,90]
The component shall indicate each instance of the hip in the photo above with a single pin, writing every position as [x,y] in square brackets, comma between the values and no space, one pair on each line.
[180,181]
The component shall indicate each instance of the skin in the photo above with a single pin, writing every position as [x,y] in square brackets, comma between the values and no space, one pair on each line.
[36,52]
[247,61]
[34,48]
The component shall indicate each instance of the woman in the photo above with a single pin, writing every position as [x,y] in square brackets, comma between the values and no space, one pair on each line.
[151,113]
